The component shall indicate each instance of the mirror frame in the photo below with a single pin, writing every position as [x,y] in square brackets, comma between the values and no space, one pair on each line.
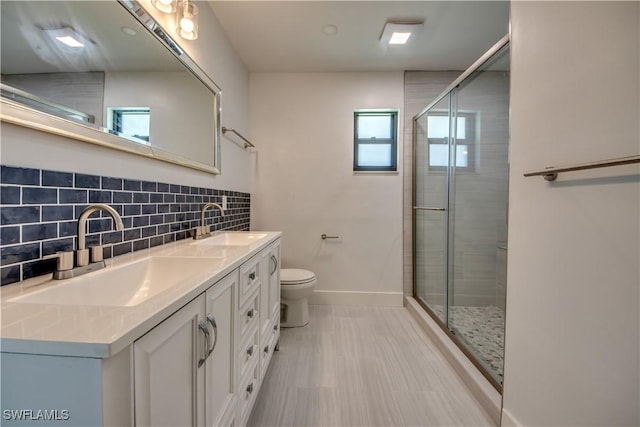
[22,115]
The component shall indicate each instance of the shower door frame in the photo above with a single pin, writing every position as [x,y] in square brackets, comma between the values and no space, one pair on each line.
[451,89]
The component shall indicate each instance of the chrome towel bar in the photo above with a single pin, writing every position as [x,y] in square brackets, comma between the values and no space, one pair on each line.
[551,173]
[247,143]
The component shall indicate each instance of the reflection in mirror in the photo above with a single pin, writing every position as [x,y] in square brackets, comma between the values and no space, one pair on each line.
[104,72]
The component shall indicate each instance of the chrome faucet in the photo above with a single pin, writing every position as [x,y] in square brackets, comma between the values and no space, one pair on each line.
[83,260]
[82,254]
[204,230]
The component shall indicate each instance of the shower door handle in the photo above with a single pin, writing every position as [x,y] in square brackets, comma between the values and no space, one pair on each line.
[425,208]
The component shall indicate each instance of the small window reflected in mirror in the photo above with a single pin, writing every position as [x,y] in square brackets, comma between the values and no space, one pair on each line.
[130,121]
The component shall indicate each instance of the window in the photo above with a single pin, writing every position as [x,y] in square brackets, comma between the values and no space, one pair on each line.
[375,141]
[130,122]
[438,136]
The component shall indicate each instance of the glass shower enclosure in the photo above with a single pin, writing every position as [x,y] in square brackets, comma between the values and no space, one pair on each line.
[460,197]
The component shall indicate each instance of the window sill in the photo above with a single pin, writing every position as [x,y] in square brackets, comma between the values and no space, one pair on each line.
[376,172]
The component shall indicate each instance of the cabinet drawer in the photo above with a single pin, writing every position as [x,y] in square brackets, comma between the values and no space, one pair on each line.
[249,278]
[248,352]
[247,393]
[269,343]
[249,314]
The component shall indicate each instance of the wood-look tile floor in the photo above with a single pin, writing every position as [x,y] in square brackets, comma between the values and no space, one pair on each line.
[362,366]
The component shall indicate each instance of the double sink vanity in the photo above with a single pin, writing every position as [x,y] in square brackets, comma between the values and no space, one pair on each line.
[180,334]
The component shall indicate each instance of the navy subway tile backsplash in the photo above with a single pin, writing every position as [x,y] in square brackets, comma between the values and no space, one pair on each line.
[40,209]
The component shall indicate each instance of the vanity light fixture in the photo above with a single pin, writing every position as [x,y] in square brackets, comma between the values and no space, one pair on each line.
[66,35]
[186,16]
[166,6]
[187,20]
[399,33]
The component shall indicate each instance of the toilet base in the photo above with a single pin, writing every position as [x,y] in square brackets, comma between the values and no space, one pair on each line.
[294,313]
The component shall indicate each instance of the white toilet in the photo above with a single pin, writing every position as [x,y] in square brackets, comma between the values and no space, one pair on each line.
[296,286]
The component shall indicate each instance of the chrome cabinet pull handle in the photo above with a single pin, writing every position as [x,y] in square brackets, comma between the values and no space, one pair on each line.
[203,328]
[275,264]
[266,349]
[251,313]
[250,351]
[252,276]
[212,322]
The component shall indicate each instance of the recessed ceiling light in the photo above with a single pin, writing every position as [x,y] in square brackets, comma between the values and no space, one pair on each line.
[330,30]
[399,33]
[128,31]
[67,36]
[399,38]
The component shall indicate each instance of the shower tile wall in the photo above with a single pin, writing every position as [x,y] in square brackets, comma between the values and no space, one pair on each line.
[479,269]
[40,209]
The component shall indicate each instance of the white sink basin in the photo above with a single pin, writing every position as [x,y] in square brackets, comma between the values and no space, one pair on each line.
[231,238]
[121,286]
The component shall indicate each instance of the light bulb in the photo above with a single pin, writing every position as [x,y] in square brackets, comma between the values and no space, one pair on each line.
[186,24]
[187,20]
[166,6]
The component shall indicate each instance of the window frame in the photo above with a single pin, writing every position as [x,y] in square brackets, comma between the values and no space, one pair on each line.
[393,141]
[470,141]
[114,121]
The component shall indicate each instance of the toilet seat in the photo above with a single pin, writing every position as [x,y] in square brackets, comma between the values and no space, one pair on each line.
[296,276]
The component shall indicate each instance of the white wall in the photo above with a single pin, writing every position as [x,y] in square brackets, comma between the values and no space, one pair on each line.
[573,327]
[305,184]
[214,54]
[178,107]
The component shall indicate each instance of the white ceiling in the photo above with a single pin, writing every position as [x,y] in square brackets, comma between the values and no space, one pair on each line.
[26,48]
[287,36]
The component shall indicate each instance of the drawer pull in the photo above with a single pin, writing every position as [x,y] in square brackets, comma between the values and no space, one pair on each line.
[266,349]
[275,264]
[252,275]
[275,327]
[249,389]
[202,326]
[251,313]
[212,321]
[250,351]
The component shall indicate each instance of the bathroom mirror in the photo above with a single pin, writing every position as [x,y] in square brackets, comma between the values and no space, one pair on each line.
[106,73]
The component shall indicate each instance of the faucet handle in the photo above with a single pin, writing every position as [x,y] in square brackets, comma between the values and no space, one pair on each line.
[64,260]
[201,232]
[97,252]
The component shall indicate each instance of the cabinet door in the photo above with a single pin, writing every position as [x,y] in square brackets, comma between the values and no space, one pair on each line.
[167,378]
[274,283]
[265,311]
[219,368]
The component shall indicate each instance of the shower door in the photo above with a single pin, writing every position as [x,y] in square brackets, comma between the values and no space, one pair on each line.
[461,148]
[431,185]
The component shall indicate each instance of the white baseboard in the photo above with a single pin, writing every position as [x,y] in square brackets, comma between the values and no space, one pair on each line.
[483,391]
[386,299]
[508,420]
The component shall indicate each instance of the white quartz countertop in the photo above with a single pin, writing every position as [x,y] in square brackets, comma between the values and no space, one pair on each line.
[98,331]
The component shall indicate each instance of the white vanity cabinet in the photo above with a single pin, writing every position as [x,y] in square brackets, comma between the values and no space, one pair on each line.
[183,367]
[189,359]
